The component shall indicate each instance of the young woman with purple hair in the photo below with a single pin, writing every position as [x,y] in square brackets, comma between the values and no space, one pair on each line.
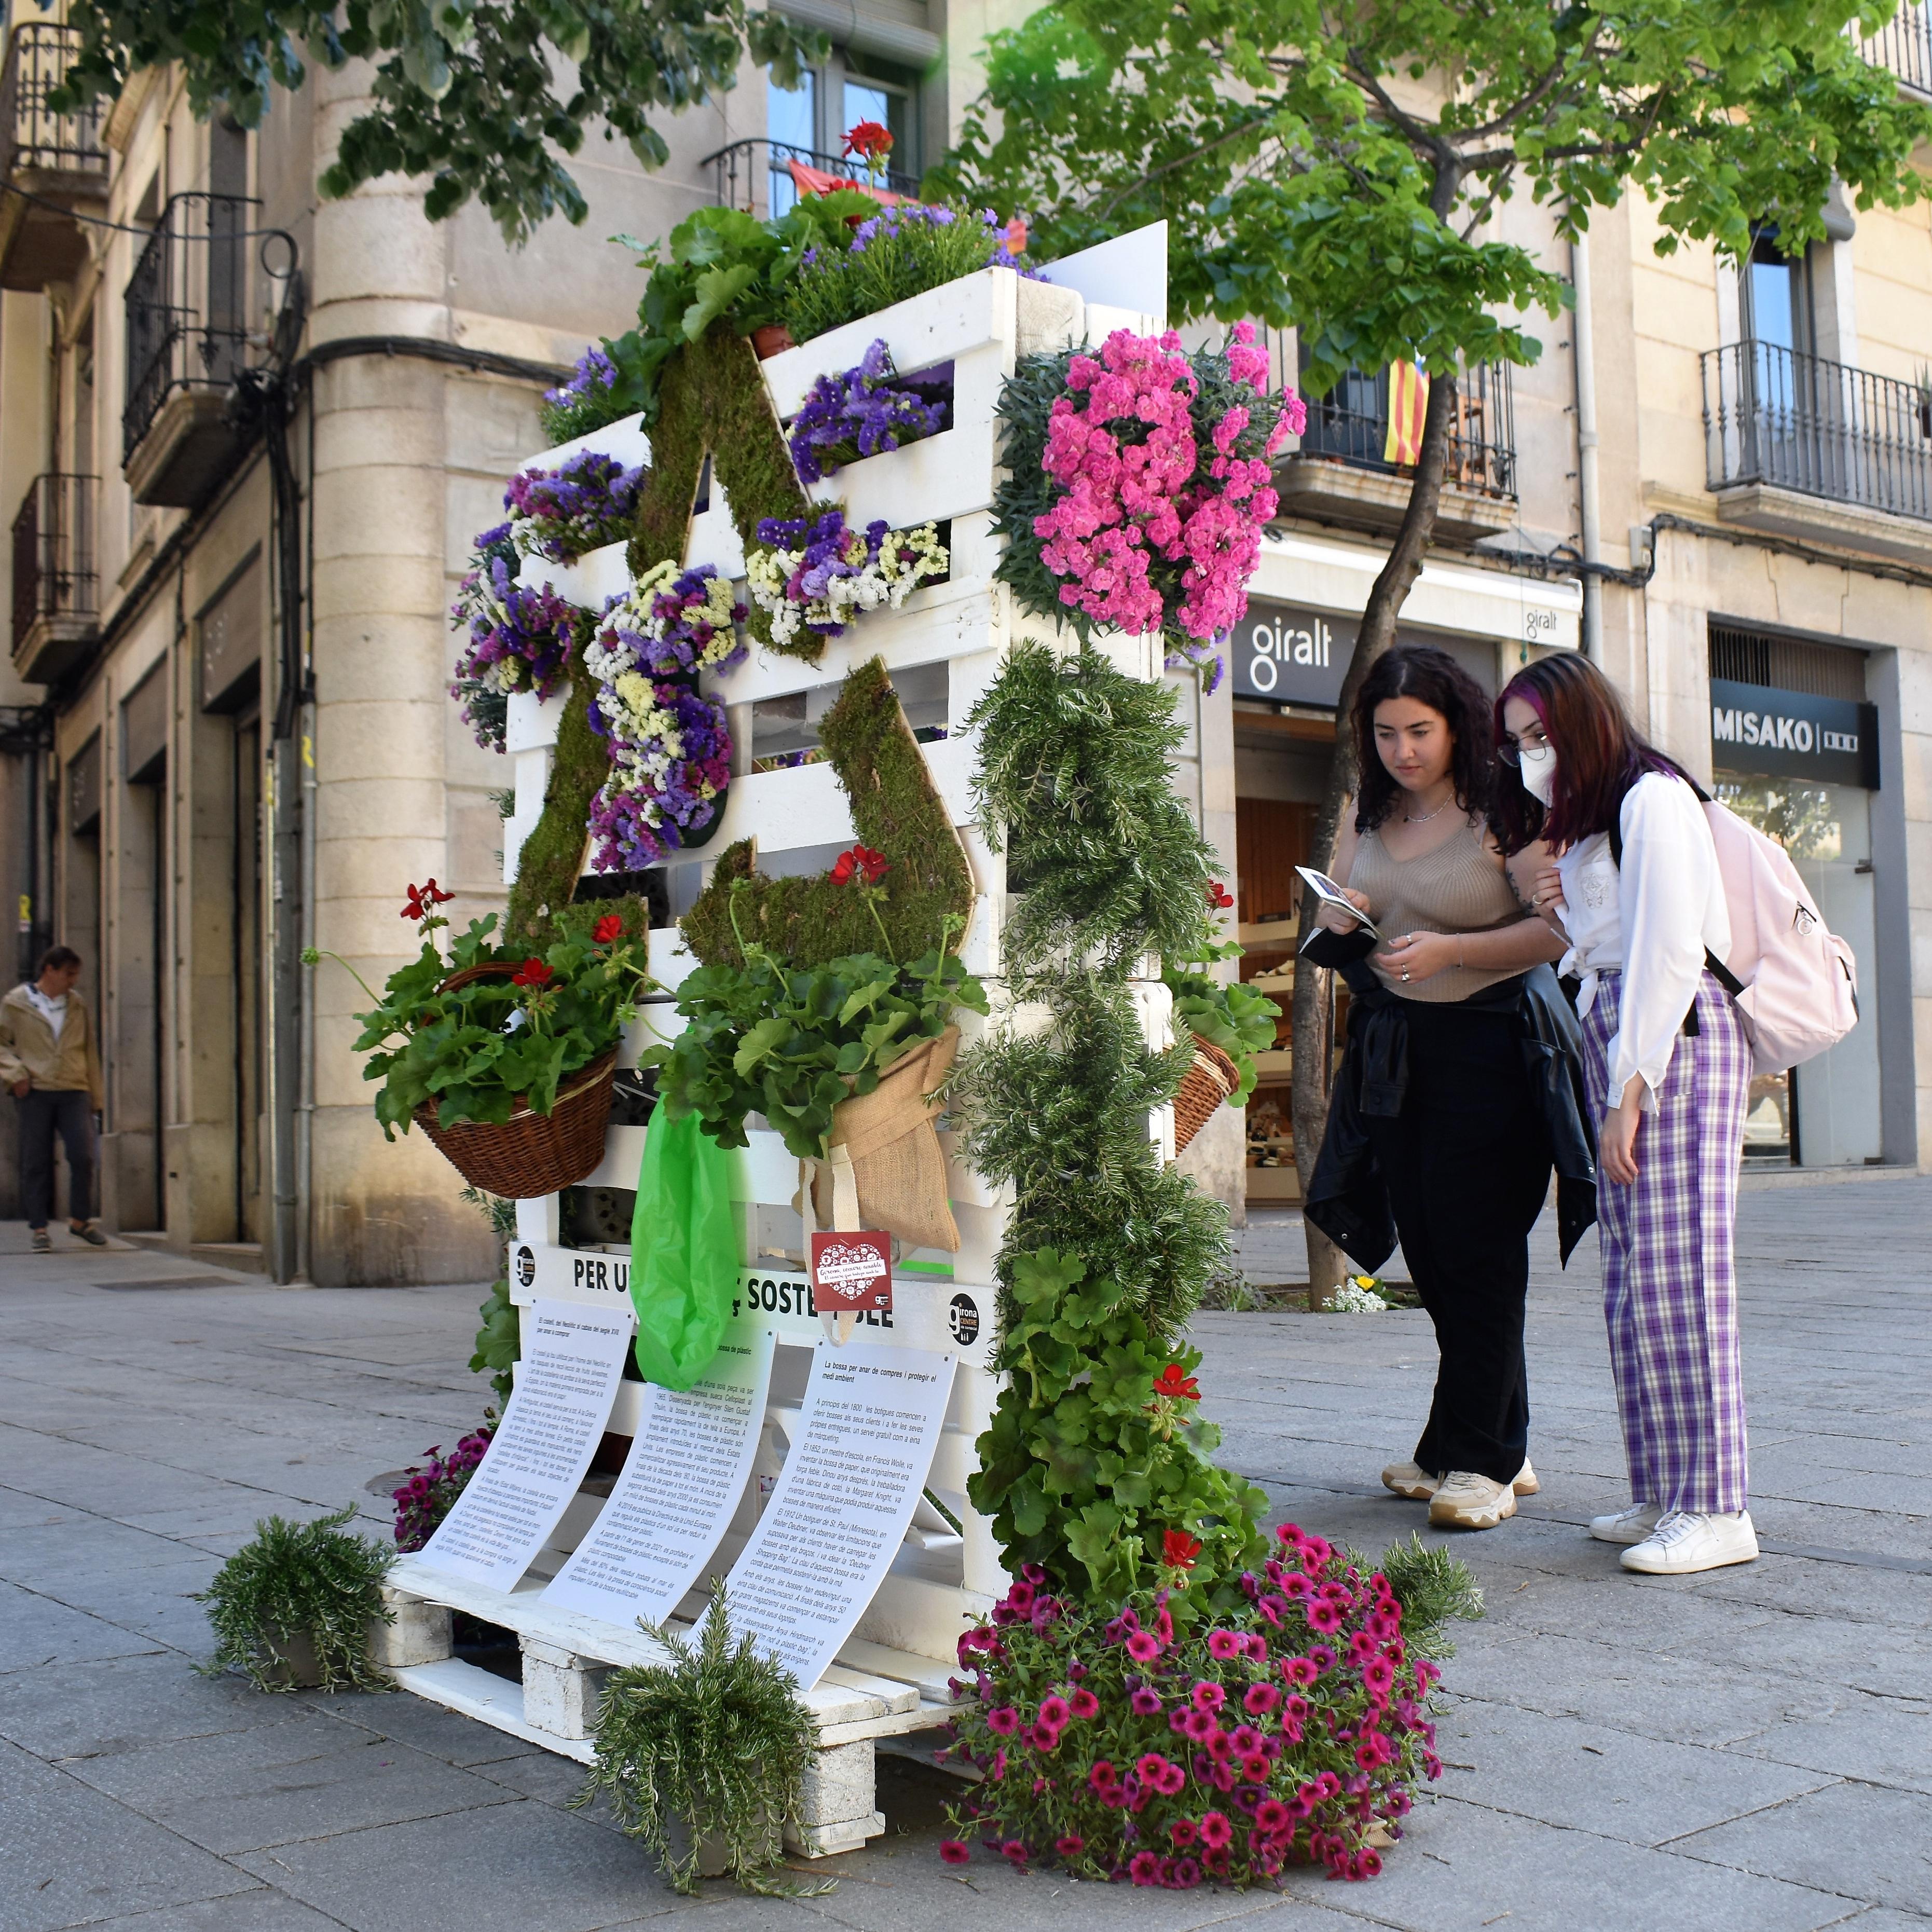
[1635,888]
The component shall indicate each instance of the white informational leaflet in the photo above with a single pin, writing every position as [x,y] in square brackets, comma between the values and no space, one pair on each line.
[682,1482]
[573,1359]
[870,1422]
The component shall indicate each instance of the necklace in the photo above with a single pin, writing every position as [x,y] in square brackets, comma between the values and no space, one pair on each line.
[1423,817]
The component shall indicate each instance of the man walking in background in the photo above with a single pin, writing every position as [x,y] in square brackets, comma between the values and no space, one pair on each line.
[50,1064]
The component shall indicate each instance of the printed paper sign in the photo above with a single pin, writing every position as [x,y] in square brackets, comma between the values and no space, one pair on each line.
[682,1481]
[870,1423]
[852,1271]
[573,1360]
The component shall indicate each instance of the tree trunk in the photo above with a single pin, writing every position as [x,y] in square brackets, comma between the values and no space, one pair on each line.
[1313,1070]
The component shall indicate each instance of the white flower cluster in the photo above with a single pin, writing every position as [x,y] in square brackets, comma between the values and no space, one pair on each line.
[835,591]
[646,743]
[633,618]
[1352,1298]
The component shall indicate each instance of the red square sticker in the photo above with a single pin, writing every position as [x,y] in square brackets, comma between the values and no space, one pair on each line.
[852,1271]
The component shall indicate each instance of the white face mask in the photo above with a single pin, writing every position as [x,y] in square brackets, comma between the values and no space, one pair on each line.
[1537,766]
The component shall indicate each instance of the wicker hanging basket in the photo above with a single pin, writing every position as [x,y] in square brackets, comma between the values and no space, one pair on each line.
[1209,1080]
[530,1153]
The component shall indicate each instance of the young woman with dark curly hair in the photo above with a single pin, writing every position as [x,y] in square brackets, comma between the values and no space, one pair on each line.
[1462,1084]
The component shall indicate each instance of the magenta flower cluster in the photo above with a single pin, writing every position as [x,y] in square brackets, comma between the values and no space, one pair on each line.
[425,1499]
[1132,1747]
[1161,463]
[859,413]
[562,514]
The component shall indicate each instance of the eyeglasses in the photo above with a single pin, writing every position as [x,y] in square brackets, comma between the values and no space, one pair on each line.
[1509,750]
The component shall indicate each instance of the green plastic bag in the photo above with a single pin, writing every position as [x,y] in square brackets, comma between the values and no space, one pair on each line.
[684,1251]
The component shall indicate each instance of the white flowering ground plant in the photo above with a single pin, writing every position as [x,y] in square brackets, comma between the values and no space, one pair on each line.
[1129,1743]
[816,576]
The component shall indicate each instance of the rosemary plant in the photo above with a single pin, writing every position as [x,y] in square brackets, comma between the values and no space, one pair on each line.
[711,1744]
[299,1582]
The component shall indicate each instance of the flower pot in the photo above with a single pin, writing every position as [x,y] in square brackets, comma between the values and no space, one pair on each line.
[530,1153]
[770,339]
[714,1857]
[292,1664]
[1209,1082]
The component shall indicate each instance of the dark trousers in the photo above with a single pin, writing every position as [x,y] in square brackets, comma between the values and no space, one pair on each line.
[1468,1165]
[70,1114]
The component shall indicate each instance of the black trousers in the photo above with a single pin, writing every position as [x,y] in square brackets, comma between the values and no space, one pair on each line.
[70,1115]
[1467,1163]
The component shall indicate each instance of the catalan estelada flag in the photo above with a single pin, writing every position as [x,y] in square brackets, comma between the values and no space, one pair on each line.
[1407,404]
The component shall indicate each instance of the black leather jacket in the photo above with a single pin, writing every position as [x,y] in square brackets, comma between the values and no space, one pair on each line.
[1345,1197]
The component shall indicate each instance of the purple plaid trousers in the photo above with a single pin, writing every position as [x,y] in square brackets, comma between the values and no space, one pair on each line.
[1670,1289]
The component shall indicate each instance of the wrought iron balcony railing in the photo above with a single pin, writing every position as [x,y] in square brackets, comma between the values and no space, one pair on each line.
[38,140]
[1798,422]
[53,553]
[187,307]
[756,175]
[1904,45]
[1350,423]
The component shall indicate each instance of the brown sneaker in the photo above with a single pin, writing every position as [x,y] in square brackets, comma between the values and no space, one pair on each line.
[1467,1501]
[88,1231]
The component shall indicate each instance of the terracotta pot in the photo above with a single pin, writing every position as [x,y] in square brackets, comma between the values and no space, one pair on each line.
[770,339]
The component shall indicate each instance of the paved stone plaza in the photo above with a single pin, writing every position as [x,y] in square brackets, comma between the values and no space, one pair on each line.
[1749,1751]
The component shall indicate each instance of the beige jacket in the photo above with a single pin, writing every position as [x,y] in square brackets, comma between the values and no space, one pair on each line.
[29,1051]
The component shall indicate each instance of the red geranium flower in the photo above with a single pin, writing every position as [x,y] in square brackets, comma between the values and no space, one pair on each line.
[1174,1381]
[1219,897]
[1178,1549]
[610,927]
[532,973]
[861,861]
[424,899]
[869,141]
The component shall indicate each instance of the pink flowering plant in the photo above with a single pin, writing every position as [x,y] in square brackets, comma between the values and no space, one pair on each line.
[1137,1744]
[1139,485]
[431,1492]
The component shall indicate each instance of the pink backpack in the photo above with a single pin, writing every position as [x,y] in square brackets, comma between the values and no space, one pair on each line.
[1794,983]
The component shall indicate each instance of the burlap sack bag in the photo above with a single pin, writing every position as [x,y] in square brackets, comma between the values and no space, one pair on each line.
[888,1137]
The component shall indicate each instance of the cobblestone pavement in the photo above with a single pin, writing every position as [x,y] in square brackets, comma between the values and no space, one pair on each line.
[1749,1751]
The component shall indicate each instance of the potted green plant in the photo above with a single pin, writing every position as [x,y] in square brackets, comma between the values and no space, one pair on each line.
[292,1608]
[505,1061]
[703,1757]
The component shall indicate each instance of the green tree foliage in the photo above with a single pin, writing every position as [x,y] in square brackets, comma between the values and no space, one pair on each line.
[483,98]
[1335,168]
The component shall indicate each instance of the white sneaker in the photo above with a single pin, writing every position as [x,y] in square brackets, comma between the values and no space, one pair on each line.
[1630,1525]
[1686,1541]
[1411,1480]
[1467,1501]
[1525,1483]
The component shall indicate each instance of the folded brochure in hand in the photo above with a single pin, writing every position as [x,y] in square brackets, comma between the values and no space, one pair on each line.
[1325,889]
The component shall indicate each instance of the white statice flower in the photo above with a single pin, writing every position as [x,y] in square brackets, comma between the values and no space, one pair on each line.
[1352,1298]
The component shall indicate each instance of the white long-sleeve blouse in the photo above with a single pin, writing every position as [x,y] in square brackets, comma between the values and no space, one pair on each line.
[1650,921]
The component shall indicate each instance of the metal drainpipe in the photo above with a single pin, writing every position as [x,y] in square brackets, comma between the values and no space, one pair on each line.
[1583,361]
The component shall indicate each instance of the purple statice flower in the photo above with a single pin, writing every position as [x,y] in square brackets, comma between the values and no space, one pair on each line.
[520,639]
[562,514]
[671,763]
[595,370]
[859,413]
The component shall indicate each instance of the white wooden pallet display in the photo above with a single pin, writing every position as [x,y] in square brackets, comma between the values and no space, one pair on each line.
[891,1677]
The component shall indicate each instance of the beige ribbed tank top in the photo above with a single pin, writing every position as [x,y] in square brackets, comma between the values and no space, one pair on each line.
[1457,888]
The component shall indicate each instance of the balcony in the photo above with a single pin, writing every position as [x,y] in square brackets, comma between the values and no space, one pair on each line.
[57,158]
[187,340]
[1904,45]
[1339,475]
[1807,448]
[757,175]
[55,596]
